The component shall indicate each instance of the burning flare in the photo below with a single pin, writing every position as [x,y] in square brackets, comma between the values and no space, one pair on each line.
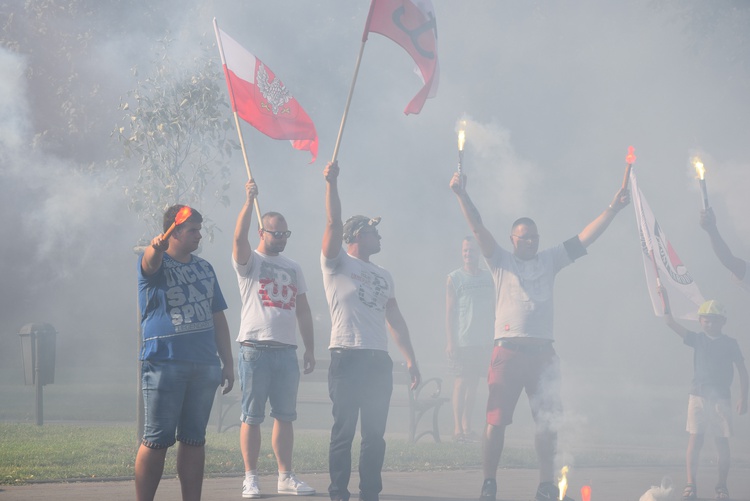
[461,135]
[630,159]
[700,170]
[181,216]
[563,483]
[586,493]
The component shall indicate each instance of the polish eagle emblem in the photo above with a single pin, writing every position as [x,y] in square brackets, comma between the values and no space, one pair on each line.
[274,92]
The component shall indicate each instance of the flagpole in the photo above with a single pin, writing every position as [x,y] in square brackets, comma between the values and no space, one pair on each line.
[348,102]
[354,82]
[237,122]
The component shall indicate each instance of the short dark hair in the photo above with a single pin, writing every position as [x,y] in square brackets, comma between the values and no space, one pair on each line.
[171,213]
[268,215]
[523,220]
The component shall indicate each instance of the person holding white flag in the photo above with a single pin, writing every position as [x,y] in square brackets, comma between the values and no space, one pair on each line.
[709,405]
[523,357]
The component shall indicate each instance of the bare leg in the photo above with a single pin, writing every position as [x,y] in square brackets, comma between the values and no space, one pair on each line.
[722,446]
[149,466]
[250,445]
[190,463]
[493,443]
[459,402]
[695,444]
[471,393]
[546,447]
[283,443]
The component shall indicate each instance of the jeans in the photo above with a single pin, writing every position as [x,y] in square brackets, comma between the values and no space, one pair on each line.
[360,383]
[177,400]
[268,374]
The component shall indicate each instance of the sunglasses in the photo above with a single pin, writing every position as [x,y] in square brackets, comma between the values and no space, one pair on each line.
[278,234]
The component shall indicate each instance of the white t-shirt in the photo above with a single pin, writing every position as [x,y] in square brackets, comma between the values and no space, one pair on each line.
[357,294]
[524,291]
[269,286]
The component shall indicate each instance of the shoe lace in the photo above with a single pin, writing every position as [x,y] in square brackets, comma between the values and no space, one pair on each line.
[294,481]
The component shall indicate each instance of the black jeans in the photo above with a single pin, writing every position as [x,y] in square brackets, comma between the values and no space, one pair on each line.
[360,383]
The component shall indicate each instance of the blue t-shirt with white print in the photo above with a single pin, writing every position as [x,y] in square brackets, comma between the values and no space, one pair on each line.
[177,304]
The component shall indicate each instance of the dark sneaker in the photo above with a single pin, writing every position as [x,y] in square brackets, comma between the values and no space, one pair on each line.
[489,490]
[547,491]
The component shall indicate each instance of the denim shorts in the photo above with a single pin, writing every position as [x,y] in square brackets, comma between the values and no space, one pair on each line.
[177,399]
[268,374]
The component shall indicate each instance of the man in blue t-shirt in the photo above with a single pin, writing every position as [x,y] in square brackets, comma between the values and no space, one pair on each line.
[709,405]
[186,354]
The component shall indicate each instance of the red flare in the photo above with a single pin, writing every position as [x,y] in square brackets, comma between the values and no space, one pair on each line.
[181,216]
[586,493]
[630,159]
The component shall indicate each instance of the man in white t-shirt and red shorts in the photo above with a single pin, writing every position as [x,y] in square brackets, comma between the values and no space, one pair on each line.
[523,357]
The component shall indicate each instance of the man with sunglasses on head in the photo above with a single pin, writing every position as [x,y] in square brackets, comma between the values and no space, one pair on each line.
[523,357]
[274,302]
[360,379]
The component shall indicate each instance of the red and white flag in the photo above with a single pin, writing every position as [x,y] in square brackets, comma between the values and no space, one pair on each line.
[262,100]
[663,264]
[411,24]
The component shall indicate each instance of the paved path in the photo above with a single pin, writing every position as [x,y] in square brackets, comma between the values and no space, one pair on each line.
[607,484]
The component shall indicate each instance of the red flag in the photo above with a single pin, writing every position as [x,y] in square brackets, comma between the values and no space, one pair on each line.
[411,24]
[262,100]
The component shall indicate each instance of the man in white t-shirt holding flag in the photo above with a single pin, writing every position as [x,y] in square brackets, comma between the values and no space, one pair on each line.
[274,301]
[360,379]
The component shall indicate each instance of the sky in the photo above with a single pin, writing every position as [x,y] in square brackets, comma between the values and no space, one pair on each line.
[554,93]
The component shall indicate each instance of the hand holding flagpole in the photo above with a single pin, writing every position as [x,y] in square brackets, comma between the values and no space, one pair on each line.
[630,160]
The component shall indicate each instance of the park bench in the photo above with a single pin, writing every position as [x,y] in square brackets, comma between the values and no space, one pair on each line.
[424,400]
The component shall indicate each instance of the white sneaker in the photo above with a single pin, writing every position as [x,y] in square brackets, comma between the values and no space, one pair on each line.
[250,487]
[293,485]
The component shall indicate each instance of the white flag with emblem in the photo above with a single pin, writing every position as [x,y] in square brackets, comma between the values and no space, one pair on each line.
[662,263]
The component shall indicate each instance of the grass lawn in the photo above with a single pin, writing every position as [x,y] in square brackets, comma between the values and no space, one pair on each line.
[66,452]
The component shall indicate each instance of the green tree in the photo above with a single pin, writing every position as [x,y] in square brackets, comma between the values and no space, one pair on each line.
[176,135]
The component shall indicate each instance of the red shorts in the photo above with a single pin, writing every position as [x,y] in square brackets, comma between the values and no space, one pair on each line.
[535,369]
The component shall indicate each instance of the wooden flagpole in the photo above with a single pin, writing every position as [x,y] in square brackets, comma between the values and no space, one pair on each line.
[237,122]
[354,82]
[348,102]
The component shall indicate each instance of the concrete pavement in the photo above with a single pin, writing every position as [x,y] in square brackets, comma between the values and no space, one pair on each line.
[607,484]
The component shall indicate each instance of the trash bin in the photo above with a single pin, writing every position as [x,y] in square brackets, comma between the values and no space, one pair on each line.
[38,341]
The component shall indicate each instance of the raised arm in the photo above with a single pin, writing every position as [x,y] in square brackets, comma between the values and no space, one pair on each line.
[668,318]
[731,262]
[154,255]
[305,322]
[595,228]
[333,236]
[242,252]
[400,334]
[486,241]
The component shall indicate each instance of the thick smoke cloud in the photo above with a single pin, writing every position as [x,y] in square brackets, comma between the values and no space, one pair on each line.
[554,92]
